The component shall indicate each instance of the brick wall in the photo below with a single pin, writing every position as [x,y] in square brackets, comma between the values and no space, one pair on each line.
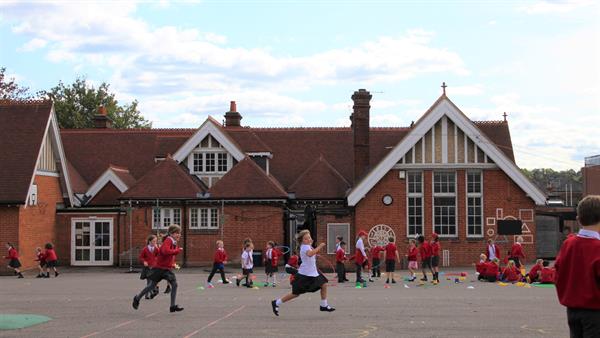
[9,232]
[37,223]
[499,192]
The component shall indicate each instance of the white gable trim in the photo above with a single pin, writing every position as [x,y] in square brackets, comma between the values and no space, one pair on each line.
[52,126]
[108,176]
[444,107]
[207,128]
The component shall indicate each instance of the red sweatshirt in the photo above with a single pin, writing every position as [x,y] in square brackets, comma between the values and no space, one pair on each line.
[275,254]
[578,272]
[220,256]
[166,254]
[293,261]
[547,275]
[511,275]
[425,250]
[41,257]
[480,267]
[376,252]
[12,254]
[490,269]
[533,273]
[390,252]
[517,251]
[435,248]
[149,257]
[340,255]
[50,255]
[412,254]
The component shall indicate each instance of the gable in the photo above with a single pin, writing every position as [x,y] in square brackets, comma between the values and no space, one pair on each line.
[108,195]
[212,128]
[432,144]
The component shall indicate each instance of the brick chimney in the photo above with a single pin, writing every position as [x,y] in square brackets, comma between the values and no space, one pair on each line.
[232,117]
[360,132]
[101,120]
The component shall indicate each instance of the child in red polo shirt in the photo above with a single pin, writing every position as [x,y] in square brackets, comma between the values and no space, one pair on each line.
[534,273]
[391,257]
[340,258]
[148,259]
[411,256]
[435,257]
[376,260]
[13,260]
[578,272]
[219,261]
[41,259]
[51,260]
[547,274]
[425,253]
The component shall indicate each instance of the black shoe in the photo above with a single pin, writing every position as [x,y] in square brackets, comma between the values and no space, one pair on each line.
[424,279]
[393,281]
[346,280]
[56,273]
[20,275]
[15,273]
[147,296]
[237,282]
[275,307]
[387,281]
[248,285]
[226,282]
[326,308]
[153,294]
[39,276]
[168,289]
[136,302]
[175,308]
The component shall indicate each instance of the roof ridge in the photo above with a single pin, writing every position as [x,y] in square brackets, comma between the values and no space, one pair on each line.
[489,122]
[24,102]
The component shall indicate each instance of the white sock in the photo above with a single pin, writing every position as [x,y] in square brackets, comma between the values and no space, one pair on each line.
[278,302]
[324,303]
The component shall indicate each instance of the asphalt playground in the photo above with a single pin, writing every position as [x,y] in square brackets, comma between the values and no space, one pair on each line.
[96,302]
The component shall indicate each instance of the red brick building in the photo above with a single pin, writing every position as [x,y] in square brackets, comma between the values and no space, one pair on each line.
[445,173]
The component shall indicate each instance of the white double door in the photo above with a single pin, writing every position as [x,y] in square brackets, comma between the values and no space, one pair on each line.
[91,241]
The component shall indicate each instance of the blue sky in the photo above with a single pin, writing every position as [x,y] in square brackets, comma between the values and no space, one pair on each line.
[297,63]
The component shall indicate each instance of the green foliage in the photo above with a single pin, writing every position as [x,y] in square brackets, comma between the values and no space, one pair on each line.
[10,90]
[548,179]
[77,103]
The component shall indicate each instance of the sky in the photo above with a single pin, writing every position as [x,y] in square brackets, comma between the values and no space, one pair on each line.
[297,63]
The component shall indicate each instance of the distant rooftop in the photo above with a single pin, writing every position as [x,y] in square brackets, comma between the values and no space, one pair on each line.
[592,161]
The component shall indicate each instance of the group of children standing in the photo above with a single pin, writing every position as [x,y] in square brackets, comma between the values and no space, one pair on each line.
[46,259]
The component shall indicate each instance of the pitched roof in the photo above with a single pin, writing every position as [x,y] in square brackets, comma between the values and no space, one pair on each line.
[123,174]
[22,128]
[320,180]
[78,184]
[498,132]
[167,180]
[247,180]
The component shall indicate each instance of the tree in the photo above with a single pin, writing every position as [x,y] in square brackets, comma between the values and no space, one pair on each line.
[76,104]
[10,90]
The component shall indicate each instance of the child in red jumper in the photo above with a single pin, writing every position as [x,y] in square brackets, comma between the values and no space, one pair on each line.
[425,253]
[547,274]
[271,260]
[578,272]
[292,265]
[511,273]
[516,253]
[51,260]
[148,259]
[41,259]
[219,261]
[411,256]
[340,258]
[376,260]
[480,267]
[360,255]
[435,257]
[534,273]
[391,257]
[165,262]
[13,257]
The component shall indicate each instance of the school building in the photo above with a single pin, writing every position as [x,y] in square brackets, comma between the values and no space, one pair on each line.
[97,193]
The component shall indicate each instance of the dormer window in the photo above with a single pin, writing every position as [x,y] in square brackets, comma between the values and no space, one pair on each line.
[209,160]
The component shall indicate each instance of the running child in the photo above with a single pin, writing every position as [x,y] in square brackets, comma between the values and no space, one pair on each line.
[308,278]
[376,260]
[411,256]
[13,260]
[271,260]
[219,261]
[165,262]
[51,260]
[390,256]
[578,269]
[340,258]
[41,259]
[148,259]
[435,257]
[425,253]
[360,256]
[162,234]
[247,264]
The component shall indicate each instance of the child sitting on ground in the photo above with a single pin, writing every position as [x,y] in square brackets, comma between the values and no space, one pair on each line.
[534,273]
[511,273]
[547,274]
[481,266]
[491,271]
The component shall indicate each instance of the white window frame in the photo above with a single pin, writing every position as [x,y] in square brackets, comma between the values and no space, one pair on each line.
[473,195]
[212,215]
[414,195]
[346,237]
[443,194]
[162,217]
[92,261]
[203,152]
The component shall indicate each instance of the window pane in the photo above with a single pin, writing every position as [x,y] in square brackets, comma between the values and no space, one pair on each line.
[198,163]
[222,162]
[214,220]
[210,162]
[204,218]
[414,182]
[156,217]
[194,218]
[177,216]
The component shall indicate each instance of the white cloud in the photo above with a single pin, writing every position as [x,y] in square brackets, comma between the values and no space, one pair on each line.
[553,6]
[33,44]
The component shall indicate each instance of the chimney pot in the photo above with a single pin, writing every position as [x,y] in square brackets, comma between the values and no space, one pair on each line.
[232,106]
[102,110]
[101,120]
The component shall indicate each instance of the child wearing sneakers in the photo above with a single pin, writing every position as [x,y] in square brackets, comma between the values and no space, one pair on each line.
[425,253]
[435,257]
[578,269]
[13,257]
[411,256]
[308,278]
[271,260]
[247,264]
[148,259]
[51,260]
[219,261]
[390,256]
[360,255]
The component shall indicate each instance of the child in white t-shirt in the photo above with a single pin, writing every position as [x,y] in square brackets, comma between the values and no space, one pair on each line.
[308,278]
[247,265]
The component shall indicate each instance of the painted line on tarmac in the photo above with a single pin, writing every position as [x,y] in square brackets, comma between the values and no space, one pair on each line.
[215,321]
[118,325]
